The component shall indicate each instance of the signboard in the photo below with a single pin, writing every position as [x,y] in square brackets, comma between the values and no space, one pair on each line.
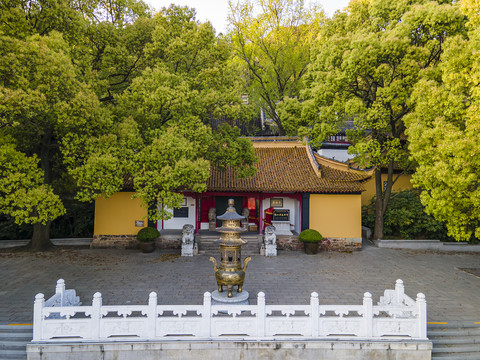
[276,202]
[180,212]
[139,223]
[281,215]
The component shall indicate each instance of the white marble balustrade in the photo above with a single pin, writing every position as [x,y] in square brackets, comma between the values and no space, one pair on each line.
[396,315]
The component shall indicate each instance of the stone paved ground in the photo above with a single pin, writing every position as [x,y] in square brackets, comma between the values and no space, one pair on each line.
[128,276]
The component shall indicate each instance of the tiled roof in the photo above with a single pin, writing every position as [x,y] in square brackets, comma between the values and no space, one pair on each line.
[288,169]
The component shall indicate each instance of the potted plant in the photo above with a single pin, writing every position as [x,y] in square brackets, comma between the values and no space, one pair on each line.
[146,237]
[311,240]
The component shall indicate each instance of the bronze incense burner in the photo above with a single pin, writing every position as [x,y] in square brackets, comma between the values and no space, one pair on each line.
[230,272]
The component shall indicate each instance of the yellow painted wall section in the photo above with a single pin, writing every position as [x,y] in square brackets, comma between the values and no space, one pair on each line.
[402,183]
[117,214]
[336,216]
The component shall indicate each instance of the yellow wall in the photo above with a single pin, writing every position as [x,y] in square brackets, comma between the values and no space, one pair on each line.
[336,216]
[117,214]
[402,183]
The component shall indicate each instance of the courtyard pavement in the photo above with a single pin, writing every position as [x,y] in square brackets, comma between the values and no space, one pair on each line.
[128,276]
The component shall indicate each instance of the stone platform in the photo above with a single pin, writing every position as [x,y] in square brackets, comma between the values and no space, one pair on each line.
[221,298]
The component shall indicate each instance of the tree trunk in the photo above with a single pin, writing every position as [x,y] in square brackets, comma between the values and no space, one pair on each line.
[382,199]
[41,237]
[378,231]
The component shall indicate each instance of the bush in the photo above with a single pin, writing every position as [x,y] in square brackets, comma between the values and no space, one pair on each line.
[310,236]
[147,234]
[405,217]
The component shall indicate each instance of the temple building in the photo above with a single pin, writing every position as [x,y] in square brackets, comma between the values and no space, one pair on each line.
[294,189]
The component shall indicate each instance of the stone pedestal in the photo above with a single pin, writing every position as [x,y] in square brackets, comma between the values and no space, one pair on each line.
[221,298]
[282,227]
[187,249]
[271,250]
[212,226]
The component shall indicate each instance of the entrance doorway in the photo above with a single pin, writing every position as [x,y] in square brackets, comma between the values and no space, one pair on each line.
[221,205]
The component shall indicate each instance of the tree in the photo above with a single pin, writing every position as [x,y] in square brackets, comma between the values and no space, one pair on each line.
[159,139]
[94,112]
[443,133]
[24,195]
[41,101]
[366,64]
[273,38]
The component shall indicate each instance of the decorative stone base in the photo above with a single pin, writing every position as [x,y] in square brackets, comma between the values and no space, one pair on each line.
[284,242]
[114,241]
[312,349]
[169,242]
[221,298]
[187,249]
[342,244]
[282,227]
[212,226]
[328,244]
[271,250]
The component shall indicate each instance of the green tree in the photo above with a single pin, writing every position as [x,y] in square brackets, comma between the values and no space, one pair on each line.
[272,39]
[443,133]
[160,139]
[24,195]
[366,64]
[41,101]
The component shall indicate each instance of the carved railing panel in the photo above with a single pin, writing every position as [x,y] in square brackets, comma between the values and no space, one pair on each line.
[396,315]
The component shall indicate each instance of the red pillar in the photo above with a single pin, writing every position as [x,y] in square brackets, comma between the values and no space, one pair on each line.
[260,217]
[197,213]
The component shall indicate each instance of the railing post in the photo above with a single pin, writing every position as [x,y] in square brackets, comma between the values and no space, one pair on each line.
[207,315]
[399,291]
[314,313]
[421,316]
[96,315]
[261,315]
[367,315]
[152,315]
[38,316]
[60,290]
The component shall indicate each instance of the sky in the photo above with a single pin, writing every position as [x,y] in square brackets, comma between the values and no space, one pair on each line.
[216,10]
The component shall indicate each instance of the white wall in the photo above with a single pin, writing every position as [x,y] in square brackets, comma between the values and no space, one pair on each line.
[177,223]
[292,204]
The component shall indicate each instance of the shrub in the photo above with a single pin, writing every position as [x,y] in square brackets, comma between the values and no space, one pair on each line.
[405,217]
[147,234]
[310,236]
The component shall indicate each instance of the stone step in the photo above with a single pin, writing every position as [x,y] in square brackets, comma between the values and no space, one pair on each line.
[14,345]
[467,339]
[455,341]
[14,340]
[459,356]
[13,354]
[454,332]
[451,348]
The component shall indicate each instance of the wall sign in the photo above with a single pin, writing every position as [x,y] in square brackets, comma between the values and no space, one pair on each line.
[281,215]
[180,212]
[276,202]
[139,223]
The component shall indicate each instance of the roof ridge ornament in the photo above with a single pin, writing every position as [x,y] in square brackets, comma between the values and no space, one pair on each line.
[315,165]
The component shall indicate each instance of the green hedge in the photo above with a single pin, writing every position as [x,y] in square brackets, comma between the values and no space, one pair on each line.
[405,217]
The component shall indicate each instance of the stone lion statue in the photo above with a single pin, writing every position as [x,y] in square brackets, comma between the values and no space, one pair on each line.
[270,237]
[187,234]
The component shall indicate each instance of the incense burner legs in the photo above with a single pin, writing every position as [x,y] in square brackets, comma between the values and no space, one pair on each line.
[230,277]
